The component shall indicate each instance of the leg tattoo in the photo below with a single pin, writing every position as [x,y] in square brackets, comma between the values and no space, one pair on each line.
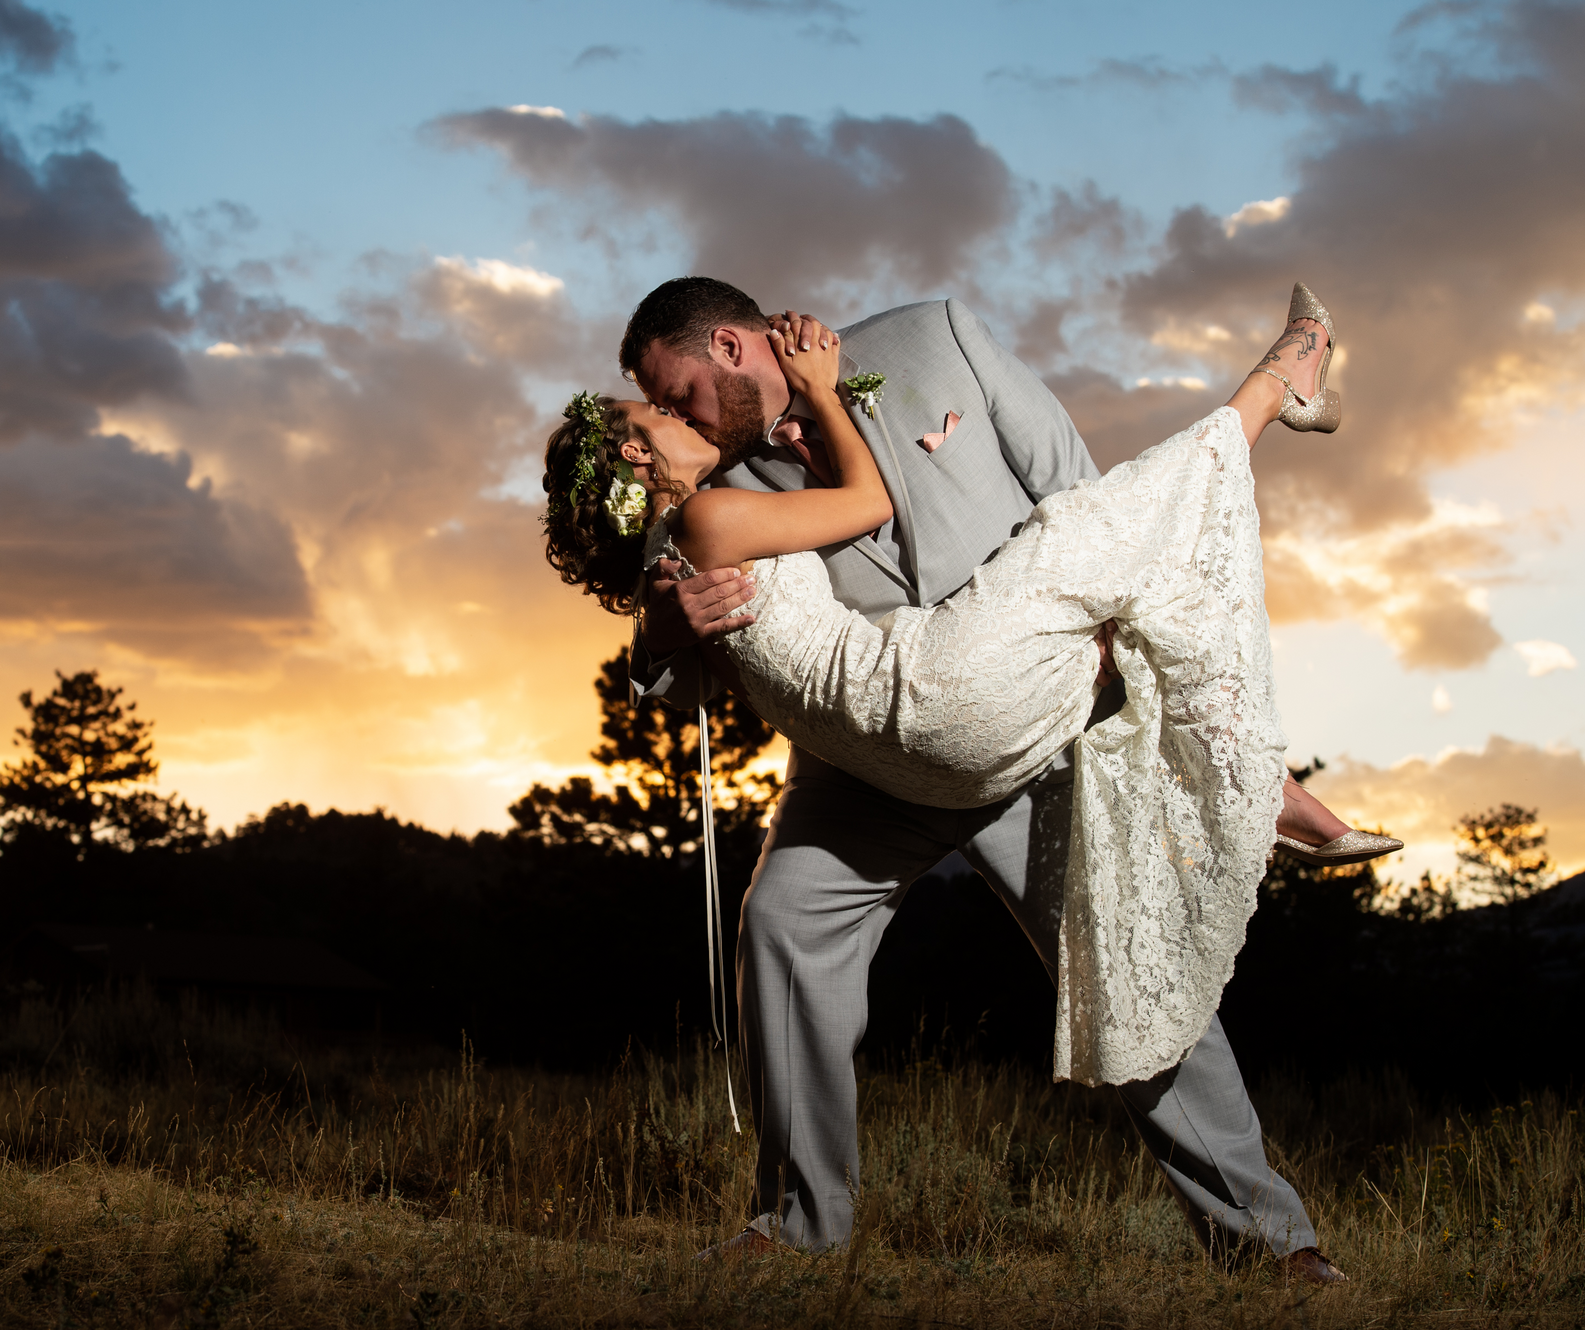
[1295,335]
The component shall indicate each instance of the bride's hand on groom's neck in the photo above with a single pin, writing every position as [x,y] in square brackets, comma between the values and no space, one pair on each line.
[807,352]
[802,330]
[681,613]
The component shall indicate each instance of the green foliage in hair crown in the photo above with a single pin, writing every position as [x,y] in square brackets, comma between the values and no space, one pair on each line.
[626,500]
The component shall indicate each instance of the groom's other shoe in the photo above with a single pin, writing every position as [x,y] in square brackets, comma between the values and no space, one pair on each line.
[1309,1265]
[750,1242]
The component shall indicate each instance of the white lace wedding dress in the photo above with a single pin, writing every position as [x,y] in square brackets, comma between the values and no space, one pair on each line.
[957,706]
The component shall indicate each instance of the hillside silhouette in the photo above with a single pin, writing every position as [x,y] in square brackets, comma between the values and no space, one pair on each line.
[579,931]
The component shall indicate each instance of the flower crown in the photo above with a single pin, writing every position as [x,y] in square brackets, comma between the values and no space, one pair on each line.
[626,500]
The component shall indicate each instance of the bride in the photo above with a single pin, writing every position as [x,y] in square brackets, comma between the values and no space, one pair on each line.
[1178,798]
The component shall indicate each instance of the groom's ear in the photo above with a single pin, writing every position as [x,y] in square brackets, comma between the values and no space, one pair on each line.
[727,344]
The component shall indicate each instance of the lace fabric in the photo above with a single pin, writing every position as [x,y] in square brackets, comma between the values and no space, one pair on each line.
[960,704]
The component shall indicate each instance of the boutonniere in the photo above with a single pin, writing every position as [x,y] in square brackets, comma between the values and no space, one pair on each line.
[866,390]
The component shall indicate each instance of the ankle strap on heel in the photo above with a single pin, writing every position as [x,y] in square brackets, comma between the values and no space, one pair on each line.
[1282,379]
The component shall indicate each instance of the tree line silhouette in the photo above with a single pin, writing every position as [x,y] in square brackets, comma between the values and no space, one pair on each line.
[578,930]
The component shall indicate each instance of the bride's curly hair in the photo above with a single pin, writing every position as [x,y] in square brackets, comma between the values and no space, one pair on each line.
[580,542]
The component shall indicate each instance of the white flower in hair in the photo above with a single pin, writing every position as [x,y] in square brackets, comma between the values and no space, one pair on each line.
[625,503]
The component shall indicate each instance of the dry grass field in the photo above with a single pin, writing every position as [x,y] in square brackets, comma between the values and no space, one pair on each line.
[180,1168]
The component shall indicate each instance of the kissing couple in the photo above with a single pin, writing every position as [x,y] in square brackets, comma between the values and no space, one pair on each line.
[974,642]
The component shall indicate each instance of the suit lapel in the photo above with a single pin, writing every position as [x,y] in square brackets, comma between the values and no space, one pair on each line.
[876,555]
[778,474]
[878,438]
[771,470]
[782,476]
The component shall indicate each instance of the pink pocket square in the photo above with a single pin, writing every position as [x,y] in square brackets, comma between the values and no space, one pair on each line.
[933,441]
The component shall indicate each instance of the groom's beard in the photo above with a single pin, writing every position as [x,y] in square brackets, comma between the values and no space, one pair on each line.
[740,430]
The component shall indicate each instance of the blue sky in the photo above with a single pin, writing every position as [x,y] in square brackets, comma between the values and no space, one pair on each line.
[376,299]
[311,116]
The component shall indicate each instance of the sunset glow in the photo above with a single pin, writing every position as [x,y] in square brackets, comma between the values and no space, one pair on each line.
[290,319]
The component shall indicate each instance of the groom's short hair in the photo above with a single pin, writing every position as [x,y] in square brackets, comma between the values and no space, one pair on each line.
[682,314]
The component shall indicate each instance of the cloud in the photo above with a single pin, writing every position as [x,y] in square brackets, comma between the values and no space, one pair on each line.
[1433,222]
[1085,218]
[1438,220]
[830,34]
[102,534]
[1040,335]
[85,317]
[303,537]
[787,8]
[503,278]
[514,313]
[72,128]
[885,210]
[1030,77]
[393,442]
[293,537]
[384,423]
[218,227]
[1543,657]
[1309,92]
[1420,799]
[293,511]
[30,41]
[1114,420]
[435,665]
[1405,578]
[1258,213]
[1137,74]
[597,55]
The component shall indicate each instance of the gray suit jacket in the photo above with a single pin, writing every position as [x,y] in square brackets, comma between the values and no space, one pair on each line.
[952,507]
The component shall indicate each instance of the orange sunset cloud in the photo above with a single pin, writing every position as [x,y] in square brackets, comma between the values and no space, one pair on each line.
[309,545]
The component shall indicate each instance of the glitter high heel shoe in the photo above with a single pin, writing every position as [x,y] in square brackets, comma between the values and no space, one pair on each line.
[1323,410]
[1352,847]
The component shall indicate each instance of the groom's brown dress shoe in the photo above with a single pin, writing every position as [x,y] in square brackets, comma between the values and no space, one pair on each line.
[750,1242]
[1309,1265]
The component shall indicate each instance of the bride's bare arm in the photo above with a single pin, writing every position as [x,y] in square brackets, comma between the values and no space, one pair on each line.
[718,527]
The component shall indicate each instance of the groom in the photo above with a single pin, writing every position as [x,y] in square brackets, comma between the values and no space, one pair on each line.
[967,439]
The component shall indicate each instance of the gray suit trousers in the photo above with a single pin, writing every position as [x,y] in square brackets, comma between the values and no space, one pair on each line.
[835,867]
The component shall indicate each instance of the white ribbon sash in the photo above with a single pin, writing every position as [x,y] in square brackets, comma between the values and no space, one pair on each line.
[714,927]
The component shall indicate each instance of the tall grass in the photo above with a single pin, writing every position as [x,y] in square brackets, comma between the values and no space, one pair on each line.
[178,1166]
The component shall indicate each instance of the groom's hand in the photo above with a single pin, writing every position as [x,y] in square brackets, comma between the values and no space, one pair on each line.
[696,609]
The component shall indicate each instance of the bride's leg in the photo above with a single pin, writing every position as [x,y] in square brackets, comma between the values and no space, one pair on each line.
[1297,353]
[1306,819]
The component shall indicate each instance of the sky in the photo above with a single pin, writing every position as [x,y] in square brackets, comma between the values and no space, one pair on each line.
[294,293]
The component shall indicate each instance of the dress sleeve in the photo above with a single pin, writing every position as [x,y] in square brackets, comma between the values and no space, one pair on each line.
[1038,439]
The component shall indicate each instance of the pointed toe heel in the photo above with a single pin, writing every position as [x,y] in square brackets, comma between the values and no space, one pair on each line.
[1322,411]
[1352,847]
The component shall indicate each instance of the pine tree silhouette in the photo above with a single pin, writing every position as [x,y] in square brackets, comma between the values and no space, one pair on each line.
[86,773]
